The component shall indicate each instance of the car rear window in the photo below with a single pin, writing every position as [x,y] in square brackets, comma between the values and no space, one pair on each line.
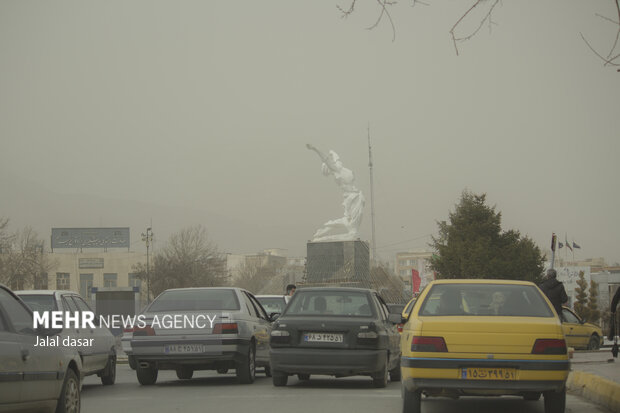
[485,300]
[39,302]
[195,300]
[330,303]
[272,304]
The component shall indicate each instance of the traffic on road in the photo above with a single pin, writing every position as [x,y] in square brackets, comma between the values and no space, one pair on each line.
[332,348]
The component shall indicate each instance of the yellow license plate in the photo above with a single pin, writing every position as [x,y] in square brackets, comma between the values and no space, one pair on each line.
[486,373]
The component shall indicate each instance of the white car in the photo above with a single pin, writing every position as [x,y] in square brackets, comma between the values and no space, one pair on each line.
[273,303]
[99,357]
[34,377]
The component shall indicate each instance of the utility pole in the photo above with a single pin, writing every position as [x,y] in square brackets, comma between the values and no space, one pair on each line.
[148,238]
[372,198]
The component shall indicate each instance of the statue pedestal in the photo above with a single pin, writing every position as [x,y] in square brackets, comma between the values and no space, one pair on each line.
[338,263]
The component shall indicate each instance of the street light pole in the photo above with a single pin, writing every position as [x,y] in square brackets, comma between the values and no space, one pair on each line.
[148,238]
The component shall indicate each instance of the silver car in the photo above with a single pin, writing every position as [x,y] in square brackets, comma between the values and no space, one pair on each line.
[218,328]
[35,374]
[99,356]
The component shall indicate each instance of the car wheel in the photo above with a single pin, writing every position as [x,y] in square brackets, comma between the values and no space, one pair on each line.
[222,370]
[279,378]
[132,362]
[395,374]
[594,343]
[185,373]
[412,401]
[531,397]
[246,370]
[69,401]
[146,375]
[380,378]
[303,376]
[108,376]
[555,402]
[268,371]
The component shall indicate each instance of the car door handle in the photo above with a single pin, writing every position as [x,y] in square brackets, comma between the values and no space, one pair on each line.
[25,354]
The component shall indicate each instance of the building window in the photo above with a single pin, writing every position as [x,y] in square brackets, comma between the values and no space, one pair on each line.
[62,281]
[109,280]
[86,285]
[134,281]
[17,283]
[40,281]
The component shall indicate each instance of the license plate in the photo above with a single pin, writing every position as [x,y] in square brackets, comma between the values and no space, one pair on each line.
[323,338]
[486,373]
[184,348]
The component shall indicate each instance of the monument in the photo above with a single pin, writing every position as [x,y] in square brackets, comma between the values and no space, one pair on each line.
[336,255]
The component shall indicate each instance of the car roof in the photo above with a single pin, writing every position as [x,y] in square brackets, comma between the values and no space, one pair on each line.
[481,281]
[43,292]
[205,288]
[351,289]
[269,296]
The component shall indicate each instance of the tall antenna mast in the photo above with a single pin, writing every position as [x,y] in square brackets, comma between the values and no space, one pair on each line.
[372,198]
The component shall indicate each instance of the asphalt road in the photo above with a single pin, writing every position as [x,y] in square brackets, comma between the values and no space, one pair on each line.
[212,392]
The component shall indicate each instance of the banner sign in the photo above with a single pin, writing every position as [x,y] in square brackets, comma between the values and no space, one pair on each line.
[90,237]
[90,262]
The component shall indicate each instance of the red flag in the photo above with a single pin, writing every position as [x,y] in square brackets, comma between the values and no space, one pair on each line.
[415,281]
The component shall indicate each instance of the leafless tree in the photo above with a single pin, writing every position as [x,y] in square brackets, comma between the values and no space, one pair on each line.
[613,56]
[23,262]
[260,279]
[479,14]
[189,259]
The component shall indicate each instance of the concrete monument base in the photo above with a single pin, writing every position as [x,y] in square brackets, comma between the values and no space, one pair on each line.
[338,263]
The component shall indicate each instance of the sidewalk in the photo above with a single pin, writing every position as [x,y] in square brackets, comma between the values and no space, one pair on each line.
[595,375]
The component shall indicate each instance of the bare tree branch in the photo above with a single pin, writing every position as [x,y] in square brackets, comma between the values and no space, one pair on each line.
[606,60]
[346,13]
[384,11]
[487,17]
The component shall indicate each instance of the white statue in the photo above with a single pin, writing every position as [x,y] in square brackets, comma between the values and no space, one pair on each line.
[353,202]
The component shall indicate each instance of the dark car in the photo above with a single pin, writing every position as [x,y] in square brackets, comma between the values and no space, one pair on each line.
[237,338]
[36,372]
[335,331]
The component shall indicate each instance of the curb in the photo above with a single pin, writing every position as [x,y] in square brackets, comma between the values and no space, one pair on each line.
[596,389]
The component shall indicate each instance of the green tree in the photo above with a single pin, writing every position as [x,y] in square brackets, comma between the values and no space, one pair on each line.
[188,259]
[581,297]
[473,245]
[594,314]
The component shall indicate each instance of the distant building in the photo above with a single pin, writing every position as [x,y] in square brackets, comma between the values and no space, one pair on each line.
[405,262]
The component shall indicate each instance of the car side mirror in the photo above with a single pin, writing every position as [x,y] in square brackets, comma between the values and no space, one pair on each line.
[396,319]
[582,321]
[274,316]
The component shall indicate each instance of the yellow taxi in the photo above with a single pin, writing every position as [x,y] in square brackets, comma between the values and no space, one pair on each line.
[580,334]
[483,337]
[408,307]
[405,313]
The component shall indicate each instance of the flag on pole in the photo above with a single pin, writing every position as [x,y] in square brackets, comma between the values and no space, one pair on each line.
[566,243]
[575,245]
[560,245]
[415,281]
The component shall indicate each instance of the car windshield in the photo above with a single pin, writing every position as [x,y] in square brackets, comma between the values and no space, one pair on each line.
[195,300]
[485,300]
[330,303]
[39,302]
[272,304]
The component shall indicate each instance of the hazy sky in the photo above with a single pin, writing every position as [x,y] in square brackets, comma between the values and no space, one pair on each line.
[208,106]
